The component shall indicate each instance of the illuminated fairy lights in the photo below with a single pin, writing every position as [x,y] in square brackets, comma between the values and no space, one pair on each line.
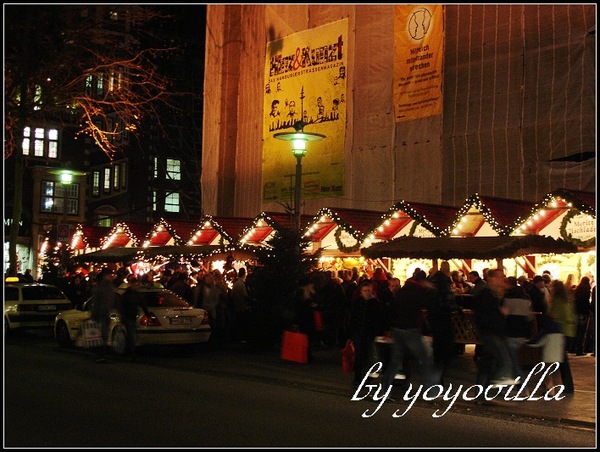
[328,216]
[474,205]
[552,201]
[208,225]
[79,240]
[116,233]
[160,227]
[263,220]
[398,210]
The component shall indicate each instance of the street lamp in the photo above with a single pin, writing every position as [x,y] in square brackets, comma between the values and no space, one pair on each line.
[299,138]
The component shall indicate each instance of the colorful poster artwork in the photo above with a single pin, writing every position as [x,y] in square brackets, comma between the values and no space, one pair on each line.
[418,59]
[305,80]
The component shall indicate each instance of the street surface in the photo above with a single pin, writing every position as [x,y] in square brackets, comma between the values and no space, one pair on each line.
[223,398]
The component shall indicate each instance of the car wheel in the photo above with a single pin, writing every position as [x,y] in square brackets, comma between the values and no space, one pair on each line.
[119,340]
[62,335]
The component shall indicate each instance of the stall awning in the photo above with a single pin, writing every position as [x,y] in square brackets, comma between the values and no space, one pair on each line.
[204,252]
[502,247]
[113,254]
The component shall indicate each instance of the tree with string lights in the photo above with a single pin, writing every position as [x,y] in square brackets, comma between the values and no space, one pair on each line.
[53,55]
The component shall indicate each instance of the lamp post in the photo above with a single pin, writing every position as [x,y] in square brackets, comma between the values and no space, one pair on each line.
[299,138]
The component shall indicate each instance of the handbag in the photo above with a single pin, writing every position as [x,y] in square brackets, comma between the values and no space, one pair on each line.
[91,334]
[294,347]
[348,357]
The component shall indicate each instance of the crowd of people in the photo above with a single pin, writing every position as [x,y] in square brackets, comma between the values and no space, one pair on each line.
[415,320]
[408,327]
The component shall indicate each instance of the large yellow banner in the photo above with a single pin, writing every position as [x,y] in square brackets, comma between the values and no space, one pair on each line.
[305,79]
[418,59]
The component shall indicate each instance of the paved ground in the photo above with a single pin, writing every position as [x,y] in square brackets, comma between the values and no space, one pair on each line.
[578,409]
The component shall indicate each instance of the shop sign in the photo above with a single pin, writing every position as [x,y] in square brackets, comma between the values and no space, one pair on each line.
[579,228]
[345,241]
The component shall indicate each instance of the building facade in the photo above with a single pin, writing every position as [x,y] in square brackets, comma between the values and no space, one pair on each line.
[517,117]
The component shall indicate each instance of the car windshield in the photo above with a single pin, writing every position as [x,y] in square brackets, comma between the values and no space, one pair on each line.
[164,300]
[42,293]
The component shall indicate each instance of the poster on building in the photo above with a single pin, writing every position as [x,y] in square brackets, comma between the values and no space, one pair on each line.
[305,79]
[418,59]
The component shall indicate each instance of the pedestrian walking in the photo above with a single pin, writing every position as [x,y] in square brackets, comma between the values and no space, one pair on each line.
[103,302]
[132,301]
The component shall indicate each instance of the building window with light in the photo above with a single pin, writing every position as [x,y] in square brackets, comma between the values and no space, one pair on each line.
[89,84]
[53,143]
[96,183]
[100,84]
[42,143]
[174,169]
[103,220]
[155,167]
[172,202]
[60,198]
[116,177]
[154,196]
[106,184]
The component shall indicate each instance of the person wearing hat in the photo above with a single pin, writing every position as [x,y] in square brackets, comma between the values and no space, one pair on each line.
[103,301]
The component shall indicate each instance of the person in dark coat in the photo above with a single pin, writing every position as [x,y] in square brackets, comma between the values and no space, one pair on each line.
[583,293]
[440,317]
[302,311]
[495,365]
[131,302]
[366,322]
[406,327]
[180,286]
[103,302]
[519,321]
[538,295]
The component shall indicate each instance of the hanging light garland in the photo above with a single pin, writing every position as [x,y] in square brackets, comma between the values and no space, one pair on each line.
[118,229]
[475,201]
[158,228]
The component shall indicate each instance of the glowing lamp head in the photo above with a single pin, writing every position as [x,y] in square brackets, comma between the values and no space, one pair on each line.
[299,147]
[66,178]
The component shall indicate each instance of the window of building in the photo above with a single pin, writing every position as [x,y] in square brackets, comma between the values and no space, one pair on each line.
[172,202]
[154,196]
[26,140]
[110,129]
[111,81]
[116,177]
[104,215]
[155,167]
[44,143]
[96,183]
[119,78]
[53,143]
[37,99]
[60,198]
[106,184]
[100,84]
[89,84]
[124,175]
[103,220]
[174,169]
[38,142]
